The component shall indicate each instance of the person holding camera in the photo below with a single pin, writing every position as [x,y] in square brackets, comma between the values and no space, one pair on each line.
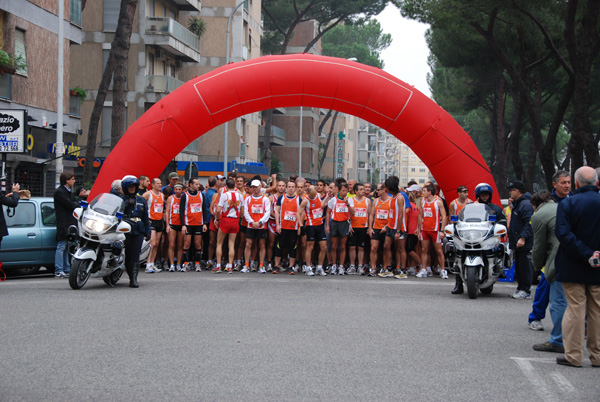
[10,200]
[577,267]
[136,211]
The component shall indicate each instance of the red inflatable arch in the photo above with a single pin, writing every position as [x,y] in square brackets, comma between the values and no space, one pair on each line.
[297,80]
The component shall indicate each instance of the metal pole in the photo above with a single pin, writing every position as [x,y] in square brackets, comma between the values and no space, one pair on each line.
[300,144]
[226,128]
[60,146]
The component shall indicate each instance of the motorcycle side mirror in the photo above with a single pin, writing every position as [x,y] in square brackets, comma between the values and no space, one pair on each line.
[453,218]
[499,230]
[84,204]
[449,230]
[77,212]
[123,227]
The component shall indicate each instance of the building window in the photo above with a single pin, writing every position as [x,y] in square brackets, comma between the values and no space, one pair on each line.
[111,12]
[75,11]
[249,39]
[421,181]
[242,150]
[107,125]
[20,51]
[405,169]
[5,92]
[412,169]
[422,170]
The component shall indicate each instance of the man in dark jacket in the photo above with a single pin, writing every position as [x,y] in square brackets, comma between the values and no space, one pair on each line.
[10,201]
[520,238]
[64,204]
[577,268]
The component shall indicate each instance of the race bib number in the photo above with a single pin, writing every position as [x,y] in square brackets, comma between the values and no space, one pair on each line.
[382,214]
[196,208]
[176,209]
[427,213]
[341,208]
[360,212]
[317,213]
[289,216]
[257,209]
[158,208]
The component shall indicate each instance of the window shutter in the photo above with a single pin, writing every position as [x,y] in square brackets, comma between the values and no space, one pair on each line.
[111,14]
[20,50]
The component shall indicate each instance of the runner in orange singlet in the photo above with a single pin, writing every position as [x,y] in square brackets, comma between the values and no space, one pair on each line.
[156,207]
[174,227]
[359,223]
[431,213]
[379,217]
[337,224]
[394,231]
[286,218]
[311,208]
[193,222]
[459,203]
[257,209]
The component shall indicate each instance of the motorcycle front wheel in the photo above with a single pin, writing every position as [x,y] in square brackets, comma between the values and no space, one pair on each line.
[79,276]
[472,283]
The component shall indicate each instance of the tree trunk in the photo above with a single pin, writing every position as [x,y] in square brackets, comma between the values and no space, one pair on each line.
[103,91]
[335,115]
[268,116]
[122,39]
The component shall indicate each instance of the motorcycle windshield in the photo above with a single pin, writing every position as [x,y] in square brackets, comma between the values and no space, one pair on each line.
[475,213]
[107,204]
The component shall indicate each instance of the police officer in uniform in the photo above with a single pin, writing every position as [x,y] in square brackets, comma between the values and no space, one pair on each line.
[136,212]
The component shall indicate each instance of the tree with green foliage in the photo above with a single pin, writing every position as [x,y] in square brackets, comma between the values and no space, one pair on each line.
[282,17]
[539,57]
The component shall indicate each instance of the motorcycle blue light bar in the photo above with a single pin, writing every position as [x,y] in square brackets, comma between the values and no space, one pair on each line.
[454,218]
[492,218]
[120,215]
[84,204]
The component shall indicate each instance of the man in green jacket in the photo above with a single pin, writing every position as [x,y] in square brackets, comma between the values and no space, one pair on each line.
[545,246]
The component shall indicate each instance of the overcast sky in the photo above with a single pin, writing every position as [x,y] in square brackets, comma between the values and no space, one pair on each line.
[406,58]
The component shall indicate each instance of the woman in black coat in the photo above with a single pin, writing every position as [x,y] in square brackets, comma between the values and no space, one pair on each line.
[10,201]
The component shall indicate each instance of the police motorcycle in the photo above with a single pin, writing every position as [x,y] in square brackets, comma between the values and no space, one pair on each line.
[475,250]
[99,237]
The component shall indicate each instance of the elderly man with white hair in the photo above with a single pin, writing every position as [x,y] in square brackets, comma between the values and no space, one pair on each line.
[578,268]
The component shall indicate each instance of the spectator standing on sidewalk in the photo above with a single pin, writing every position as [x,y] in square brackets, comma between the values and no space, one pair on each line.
[545,246]
[577,268]
[11,201]
[64,204]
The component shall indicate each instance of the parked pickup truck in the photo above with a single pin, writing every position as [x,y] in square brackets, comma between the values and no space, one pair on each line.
[31,240]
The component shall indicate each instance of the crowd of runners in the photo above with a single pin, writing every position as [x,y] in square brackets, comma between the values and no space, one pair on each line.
[339,228]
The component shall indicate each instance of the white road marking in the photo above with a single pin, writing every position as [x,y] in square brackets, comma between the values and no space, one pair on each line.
[541,387]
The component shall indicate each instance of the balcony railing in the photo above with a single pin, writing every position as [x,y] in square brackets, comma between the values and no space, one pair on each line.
[278,132]
[168,26]
[162,83]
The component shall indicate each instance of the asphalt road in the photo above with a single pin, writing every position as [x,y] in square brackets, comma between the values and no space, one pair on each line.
[200,336]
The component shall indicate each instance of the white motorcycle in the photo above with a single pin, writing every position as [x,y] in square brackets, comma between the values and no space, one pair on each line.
[477,251]
[100,236]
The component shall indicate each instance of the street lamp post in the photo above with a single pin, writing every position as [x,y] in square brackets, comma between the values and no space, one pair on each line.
[226,128]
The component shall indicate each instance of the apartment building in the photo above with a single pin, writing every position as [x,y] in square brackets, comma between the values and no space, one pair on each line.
[161,44]
[29,34]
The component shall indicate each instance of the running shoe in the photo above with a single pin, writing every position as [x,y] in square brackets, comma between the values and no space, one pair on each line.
[401,275]
[351,270]
[172,268]
[320,271]
[385,274]
[536,325]
[262,270]
[198,268]
[229,270]
[292,271]
[361,270]
[210,265]
[429,272]
[521,294]
[149,269]
[422,273]
[275,270]
[372,272]
[269,267]
[412,271]
[245,270]
[61,275]
[444,274]
[217,270]
[333,270]
[253,266]
[309,272]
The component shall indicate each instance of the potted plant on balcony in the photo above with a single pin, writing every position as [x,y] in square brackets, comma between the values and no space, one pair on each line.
[78,91]
[197,26]
[10,64]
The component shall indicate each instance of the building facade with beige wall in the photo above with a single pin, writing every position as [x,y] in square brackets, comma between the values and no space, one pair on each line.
[29,29]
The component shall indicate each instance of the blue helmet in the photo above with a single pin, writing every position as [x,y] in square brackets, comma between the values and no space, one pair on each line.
[483,188]
[128,181]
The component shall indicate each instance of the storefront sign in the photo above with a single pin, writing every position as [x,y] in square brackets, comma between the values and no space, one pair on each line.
[12,130]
